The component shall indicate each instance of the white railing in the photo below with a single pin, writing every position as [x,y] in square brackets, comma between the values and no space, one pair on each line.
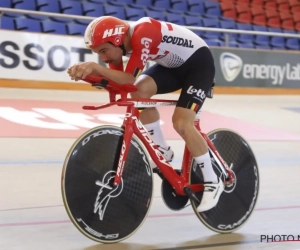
[226,31]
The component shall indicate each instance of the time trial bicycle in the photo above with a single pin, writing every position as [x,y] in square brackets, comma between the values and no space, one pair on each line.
[107,176]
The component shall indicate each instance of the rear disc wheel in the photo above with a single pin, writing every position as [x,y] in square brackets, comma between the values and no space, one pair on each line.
[237,202]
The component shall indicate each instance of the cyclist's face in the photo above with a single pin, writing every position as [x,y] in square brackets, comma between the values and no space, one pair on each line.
[108,53]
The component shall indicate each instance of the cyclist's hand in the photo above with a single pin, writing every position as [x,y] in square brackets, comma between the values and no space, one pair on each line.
[81,70]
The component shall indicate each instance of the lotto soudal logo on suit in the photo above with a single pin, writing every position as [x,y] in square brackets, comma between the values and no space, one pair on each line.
[145,41]
[198,95]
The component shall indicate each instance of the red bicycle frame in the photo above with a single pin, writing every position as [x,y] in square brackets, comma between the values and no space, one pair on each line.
[132,125]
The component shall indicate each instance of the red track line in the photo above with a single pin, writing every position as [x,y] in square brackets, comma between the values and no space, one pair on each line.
[36,223]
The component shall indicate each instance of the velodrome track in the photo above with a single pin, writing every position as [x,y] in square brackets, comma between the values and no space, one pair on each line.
[32,215]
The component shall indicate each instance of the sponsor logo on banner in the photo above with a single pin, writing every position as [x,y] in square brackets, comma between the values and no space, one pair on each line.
[41,57]
[231,66]
[276,73]
[47,57]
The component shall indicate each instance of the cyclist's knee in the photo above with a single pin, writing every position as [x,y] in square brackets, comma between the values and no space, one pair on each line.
[146,87]
[182,125]
[183,120]
[142,92]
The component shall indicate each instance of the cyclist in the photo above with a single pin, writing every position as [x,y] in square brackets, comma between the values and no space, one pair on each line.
[183,61]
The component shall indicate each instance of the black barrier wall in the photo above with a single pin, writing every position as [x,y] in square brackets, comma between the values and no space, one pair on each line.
[256,68]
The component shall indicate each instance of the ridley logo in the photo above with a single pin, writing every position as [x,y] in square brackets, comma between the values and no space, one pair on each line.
[113,32]
[121,162]
[231,66]
[145,51]
[147,137]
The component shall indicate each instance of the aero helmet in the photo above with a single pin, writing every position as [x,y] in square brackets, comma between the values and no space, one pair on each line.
[105,29]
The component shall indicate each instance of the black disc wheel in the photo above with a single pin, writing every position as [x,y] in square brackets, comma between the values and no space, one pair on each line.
[101,211]
[238,200]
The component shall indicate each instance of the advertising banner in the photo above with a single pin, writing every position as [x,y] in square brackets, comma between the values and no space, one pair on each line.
[257,68]
[46,57]
[40,57]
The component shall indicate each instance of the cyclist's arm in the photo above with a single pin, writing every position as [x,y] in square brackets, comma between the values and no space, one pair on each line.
[114,75]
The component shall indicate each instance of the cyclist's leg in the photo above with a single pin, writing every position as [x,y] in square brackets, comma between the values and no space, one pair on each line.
[199,75]
[146,89]
[155,80]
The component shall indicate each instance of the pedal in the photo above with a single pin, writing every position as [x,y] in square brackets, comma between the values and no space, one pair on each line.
[191,194]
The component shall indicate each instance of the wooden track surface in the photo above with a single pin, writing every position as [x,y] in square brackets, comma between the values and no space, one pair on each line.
[32,215]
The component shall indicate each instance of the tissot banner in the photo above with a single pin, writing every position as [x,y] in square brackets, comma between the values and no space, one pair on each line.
[42,57]
[46,57]
[257,68]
